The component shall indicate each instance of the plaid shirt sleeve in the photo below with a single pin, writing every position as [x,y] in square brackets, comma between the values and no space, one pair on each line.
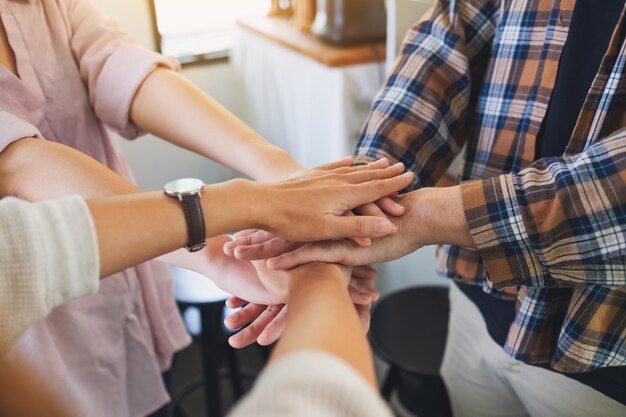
[418,116]
[559,222]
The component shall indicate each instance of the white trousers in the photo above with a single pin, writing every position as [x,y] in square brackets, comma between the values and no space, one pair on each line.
[483,381]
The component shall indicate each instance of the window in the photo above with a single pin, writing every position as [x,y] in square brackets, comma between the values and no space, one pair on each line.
[200,30]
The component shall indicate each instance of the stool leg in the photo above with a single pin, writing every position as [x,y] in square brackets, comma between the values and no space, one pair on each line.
[391,381]
[234,372]
[210,348]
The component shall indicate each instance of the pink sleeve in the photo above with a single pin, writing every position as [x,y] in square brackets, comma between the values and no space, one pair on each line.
[13,128]
[111,63]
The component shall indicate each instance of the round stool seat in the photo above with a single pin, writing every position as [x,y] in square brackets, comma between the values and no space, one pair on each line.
[409,329]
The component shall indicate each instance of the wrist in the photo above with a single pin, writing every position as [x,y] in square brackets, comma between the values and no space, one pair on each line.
[230,206]
[441,217]
[275,163]
[316,280]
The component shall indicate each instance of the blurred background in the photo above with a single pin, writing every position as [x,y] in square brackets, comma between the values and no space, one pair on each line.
[303,74]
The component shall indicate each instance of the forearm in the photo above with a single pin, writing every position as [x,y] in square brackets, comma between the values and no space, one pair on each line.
[34,169]
[137,227]
[322,318]
[172,108]
[437,217]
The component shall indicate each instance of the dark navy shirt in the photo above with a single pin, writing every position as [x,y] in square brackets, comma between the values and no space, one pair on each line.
[592,25]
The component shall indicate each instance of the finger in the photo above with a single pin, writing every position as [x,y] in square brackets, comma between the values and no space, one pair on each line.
[364,272]
[312,252]
[235,302]
[259,236]
[246,232]
[364,313]
[378,164]
[367,210]
[269,249]
[345,162]
[359,226]
[375,174]
[389,206]
[365,288]
[364,242]
[370,209]
[375,190]
[249,335]
[274,330]
[244,316]
[359,297]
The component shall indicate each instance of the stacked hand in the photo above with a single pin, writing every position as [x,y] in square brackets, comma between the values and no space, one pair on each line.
[312,205]
[265,324]
[271,255]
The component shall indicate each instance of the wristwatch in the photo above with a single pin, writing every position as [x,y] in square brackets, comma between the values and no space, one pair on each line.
[187,191]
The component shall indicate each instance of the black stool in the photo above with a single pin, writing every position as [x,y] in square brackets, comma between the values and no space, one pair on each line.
[408,331]
[202,305]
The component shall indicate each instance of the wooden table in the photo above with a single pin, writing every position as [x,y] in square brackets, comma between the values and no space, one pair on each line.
[283,32]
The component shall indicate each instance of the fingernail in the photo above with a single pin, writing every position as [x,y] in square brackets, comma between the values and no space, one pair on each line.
[383,227]
[375,296]
[398,164]
[366,296]
[232,317]
[408,175]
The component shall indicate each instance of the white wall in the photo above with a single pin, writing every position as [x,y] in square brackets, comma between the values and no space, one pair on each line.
[154,161]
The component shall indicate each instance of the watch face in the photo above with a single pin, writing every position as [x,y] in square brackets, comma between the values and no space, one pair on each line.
[185,186]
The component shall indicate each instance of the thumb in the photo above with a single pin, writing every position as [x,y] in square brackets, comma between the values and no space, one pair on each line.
[359,226]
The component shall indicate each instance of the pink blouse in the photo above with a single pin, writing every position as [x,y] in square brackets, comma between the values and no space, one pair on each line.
[104,353]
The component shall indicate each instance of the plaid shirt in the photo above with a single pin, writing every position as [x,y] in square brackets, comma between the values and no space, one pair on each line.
[479,75]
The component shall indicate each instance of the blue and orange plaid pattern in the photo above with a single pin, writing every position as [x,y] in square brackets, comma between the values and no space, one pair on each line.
[476,77]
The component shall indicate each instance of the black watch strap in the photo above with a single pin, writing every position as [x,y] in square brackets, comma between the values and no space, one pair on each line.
[196,232]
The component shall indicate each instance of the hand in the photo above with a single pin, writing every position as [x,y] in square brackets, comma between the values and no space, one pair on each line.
[311,205]
[266,324]
[282,254]
[381,208]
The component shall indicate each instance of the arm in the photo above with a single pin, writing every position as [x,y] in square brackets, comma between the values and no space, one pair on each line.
[134,90]
[318,296]
[172,108]
[558,223]
[323,363]
[419,116]
[433,216]
[282,207]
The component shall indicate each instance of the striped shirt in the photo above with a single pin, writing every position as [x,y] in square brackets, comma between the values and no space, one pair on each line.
[476,79]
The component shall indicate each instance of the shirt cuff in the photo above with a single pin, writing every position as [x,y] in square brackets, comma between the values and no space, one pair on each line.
[14,128]
[122,75]
[497,227]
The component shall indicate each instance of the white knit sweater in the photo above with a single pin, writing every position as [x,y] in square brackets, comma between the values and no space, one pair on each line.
[49,255]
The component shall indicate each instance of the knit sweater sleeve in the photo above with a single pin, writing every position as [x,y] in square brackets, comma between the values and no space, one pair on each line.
[311,384]
[48,255]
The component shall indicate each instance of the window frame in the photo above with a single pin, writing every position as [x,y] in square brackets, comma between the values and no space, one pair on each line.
[207,58]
